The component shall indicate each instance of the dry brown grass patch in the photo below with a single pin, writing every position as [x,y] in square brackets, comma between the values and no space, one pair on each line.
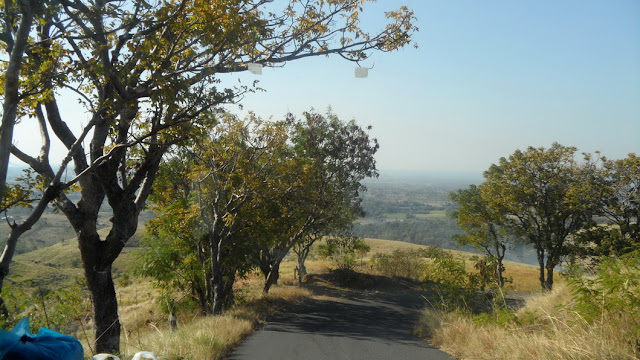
[545,331]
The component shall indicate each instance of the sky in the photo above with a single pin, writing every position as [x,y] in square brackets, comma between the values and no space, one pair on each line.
[487,78]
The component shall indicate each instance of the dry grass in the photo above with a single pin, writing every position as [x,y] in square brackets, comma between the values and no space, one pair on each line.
[544,331]
[204,338]
[525,277]
[145,327]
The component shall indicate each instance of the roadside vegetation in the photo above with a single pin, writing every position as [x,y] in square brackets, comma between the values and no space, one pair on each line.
[590,316]
[64,305]
[582,214]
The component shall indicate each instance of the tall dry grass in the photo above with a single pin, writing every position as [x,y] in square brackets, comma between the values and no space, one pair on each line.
[146,328]
[543,330]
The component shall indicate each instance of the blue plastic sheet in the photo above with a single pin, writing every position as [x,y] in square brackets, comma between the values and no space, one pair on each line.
[21,344]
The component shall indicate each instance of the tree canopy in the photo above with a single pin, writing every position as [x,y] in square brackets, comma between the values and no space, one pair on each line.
[544,196]
[147,74]
[482,226]
[250,193]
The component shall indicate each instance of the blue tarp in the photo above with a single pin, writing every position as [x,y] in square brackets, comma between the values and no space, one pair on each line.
[21,344]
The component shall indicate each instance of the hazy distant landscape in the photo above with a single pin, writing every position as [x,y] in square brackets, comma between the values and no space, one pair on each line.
[409,206]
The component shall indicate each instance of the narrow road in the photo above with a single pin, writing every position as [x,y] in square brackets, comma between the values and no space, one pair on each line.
[364,325]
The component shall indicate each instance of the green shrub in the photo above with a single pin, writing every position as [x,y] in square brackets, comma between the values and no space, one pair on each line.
[410,263]
[342,250]
[611,293]
[60,309]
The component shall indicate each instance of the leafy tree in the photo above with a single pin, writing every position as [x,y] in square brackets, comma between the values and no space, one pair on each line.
[342,250]
[617,183]
[482,226]
[147,73]
[207,199]
[332,159]
[545,197]
[622,202]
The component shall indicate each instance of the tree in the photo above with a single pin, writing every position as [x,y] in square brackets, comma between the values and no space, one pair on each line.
[622,201]
[147,74]
[333,157]
[342,250]
[207,197]
[545,197]
[617,183]
[302,249]
[482,226]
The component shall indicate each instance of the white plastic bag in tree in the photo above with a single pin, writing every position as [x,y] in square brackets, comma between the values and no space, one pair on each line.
[255,68]
[362,72]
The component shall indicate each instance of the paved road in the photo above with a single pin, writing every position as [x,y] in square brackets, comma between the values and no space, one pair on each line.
[361,325]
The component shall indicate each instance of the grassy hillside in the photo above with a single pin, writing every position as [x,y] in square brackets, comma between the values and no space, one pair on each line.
[59,264]
[144,324]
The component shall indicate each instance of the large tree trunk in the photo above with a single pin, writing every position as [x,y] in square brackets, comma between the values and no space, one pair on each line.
[552,262]
[548,284]
[217,280]
[302,269]
[97,270]
[105,309]
[500,252]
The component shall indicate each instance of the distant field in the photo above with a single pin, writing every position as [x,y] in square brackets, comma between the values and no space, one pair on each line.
[432,214]
[395,216]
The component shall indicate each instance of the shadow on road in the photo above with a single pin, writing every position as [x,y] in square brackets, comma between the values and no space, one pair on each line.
[341,323]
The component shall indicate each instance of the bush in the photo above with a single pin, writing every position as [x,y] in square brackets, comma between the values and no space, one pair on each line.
[611,294]
[342,250]
[60,309]
[410,264]
[455,288]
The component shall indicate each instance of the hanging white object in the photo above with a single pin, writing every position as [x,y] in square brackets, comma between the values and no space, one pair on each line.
[255,68]
[104,357]
[145,355]
[362,72]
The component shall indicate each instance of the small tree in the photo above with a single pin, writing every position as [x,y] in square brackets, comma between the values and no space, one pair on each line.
[208,198]
[342,250]
[482,227]
[332,157]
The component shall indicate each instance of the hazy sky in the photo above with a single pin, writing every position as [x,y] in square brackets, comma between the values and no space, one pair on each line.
[489,77]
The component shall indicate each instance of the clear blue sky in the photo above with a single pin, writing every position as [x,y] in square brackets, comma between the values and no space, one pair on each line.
[489,77]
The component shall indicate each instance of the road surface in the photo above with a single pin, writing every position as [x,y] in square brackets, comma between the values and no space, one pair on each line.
[366,325]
